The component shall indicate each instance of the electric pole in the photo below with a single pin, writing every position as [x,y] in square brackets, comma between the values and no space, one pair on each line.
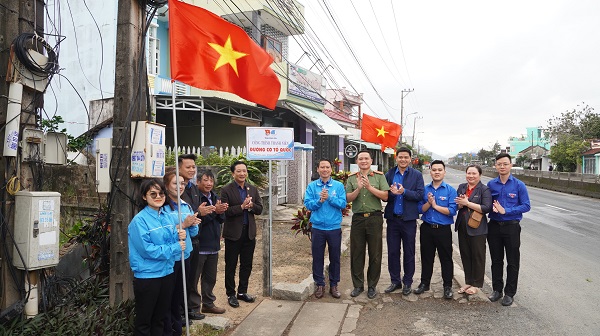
[404,93]
[129,105]
[16,17]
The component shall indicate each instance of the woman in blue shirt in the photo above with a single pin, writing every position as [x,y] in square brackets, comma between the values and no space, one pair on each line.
[153,247]
[189,222]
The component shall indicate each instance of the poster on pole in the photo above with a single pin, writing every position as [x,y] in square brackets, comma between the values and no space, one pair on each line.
[270,143]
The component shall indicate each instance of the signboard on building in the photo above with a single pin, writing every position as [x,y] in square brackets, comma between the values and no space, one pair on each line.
[270,143]
[306,84]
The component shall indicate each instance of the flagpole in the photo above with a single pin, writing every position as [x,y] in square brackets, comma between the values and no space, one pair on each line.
[175,144]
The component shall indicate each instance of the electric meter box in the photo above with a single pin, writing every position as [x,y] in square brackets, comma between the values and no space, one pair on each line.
[148,149]
[37,228]
[103,157]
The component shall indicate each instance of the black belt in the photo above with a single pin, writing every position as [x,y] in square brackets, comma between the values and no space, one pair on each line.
[368,214]
[399,216]
[435,226]
[509,222]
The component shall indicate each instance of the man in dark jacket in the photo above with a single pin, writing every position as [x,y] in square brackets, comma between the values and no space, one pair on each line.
[239,231]
[212,212]
[401,212]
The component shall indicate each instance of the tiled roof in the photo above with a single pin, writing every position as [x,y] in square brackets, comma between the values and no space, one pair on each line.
[592,151]
[338,116]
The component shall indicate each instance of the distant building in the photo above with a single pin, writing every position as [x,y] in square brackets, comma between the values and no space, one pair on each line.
[534,137]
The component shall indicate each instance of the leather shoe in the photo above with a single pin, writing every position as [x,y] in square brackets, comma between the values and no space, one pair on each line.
[233,301]
[507,300]
[212,309]
[371,293]
[422,288]
[196,316]
[406,290]
[495,296]
[335,292]
[356,291]
[319,292]
[392,287]
[448,292]
[245,297]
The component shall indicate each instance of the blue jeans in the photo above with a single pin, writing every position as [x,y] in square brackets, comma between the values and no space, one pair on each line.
[333,239]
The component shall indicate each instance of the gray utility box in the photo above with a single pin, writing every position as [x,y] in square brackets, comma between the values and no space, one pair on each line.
[37,229]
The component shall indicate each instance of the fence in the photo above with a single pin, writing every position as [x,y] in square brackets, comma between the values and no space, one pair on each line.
[554,175]
[204,151]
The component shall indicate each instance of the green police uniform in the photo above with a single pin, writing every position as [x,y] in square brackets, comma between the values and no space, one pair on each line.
[366,230]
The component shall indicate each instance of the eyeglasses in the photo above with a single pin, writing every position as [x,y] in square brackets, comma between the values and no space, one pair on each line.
[502,164]
[155,195]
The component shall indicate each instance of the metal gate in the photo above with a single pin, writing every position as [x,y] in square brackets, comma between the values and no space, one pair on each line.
[282,175]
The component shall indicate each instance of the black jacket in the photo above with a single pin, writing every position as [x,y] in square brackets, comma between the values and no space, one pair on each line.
[209,234]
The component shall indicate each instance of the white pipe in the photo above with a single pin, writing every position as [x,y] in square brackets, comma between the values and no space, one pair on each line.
[31,306]
[13,119]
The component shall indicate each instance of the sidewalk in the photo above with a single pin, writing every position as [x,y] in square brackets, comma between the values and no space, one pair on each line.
[331,317]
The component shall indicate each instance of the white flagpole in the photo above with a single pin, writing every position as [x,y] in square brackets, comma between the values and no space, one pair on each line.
[185,304]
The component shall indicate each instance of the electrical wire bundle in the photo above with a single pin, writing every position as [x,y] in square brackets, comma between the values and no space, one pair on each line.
[27,41]
[155,3]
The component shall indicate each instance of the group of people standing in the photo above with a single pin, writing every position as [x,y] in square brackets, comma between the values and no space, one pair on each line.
[161,235]
[504,199]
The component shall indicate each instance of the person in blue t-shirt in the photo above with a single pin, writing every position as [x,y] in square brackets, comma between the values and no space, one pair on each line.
[438,208]
[153,248]
[511,200]
[326,198]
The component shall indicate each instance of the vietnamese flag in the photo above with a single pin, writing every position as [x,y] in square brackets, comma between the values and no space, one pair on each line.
[210,53]
[380,131]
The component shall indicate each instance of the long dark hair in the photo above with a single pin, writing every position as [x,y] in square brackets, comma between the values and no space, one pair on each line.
[146,186]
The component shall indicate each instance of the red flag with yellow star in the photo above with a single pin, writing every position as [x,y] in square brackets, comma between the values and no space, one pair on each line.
[380,131]
[210,53]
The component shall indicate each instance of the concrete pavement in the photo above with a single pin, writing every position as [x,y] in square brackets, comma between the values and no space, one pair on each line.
[339,317]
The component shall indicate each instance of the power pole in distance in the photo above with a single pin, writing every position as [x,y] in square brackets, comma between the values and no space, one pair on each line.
[404,93]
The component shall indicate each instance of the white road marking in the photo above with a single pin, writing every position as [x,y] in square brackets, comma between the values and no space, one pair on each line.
[555,207]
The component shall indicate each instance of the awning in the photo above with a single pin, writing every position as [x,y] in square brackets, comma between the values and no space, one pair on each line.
[326,125]
[371,145]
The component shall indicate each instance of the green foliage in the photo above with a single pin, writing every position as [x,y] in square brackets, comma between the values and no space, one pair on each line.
[571,132]
[301,222]
[74,144]
[85,310]
[257,173]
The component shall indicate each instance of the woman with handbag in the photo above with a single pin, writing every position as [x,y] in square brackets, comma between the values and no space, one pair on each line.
[474,201]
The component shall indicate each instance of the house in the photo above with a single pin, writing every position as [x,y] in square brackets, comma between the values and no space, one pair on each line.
[533,137]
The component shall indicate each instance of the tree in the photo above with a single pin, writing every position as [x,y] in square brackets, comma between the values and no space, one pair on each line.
[571,132]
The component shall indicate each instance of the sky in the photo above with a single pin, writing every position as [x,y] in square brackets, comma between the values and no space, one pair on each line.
[481,71]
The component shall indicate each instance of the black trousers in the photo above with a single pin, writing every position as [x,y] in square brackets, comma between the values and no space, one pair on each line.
[173,322]
[208,269]
[242,250]
[505,238]
[152,303]
[192,277]
[439,239]
[472,254]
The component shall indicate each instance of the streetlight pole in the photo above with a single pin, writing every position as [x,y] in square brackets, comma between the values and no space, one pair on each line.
[412,144]
[404,93]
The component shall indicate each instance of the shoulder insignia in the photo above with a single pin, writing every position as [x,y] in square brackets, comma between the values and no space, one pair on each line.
[378,172]
[353,174]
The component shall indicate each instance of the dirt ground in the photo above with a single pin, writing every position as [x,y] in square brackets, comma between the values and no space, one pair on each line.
[292,263]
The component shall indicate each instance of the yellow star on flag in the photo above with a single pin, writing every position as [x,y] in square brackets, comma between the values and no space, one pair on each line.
[228,55]
[381,131]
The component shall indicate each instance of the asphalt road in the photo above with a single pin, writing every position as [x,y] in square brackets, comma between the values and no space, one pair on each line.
[559,279]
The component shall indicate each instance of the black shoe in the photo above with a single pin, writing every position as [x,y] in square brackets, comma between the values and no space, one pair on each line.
[233,301]
[371,293]
[406,290]
[422,288]
[356,291]
[196,316]
[392,287]
[245,297]
[507,300]
[448,292]
[495,296]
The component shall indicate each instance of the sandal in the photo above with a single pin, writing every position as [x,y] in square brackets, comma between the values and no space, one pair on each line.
[471,290]
[464,289]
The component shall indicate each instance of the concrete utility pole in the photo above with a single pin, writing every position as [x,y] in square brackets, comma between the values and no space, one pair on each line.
[404,93]
[412,144]
[16,17]
[129,105]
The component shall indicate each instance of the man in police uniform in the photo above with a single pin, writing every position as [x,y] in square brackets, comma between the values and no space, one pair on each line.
[366,189]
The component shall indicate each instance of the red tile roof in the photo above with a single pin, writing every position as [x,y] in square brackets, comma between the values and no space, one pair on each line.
[591,151]
[338,116]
